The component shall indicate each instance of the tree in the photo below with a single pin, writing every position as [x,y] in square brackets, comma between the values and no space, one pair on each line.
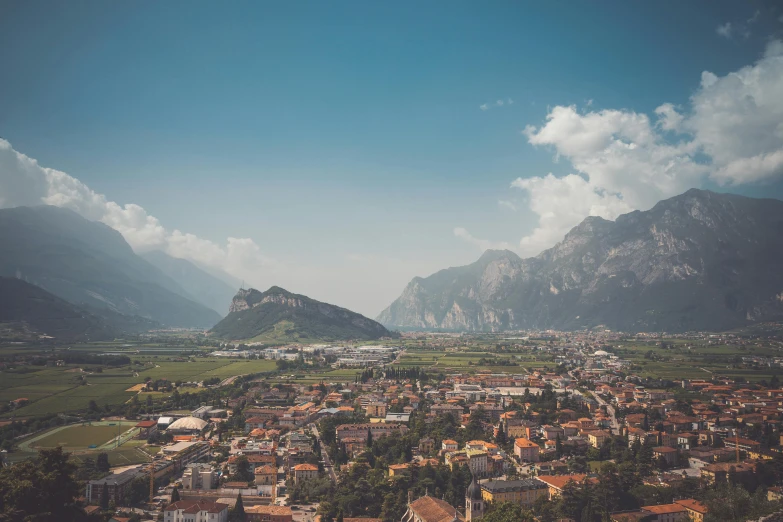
[507,512]
[105,496]
[238,511]
[558,447]
[102,463]
[174,495]
[243,472]
[369,438]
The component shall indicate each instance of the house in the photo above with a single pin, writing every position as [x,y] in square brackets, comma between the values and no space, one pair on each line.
[665,454]
[477,462]
[596,438]
[304,472]
[396,470]
[526,450]
[429,509]
[268,514]
[450,445]
[696,510]
[195,511]
[666,512]
[426,445]
[719,472]
[266,475]
[523,492]
[556,483]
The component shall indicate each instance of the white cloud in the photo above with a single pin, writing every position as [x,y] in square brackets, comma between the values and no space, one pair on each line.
[724,30]
[506,204]
[731,132]
[482,244]
[496,104]
[24,182]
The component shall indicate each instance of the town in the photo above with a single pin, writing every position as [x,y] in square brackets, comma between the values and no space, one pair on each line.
[544,426]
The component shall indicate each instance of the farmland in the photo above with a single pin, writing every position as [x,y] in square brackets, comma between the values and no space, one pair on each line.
[72,387]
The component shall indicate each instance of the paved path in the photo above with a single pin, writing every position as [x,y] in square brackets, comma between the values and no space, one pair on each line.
[327,464]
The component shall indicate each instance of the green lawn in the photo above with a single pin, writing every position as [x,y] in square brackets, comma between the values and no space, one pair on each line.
[81,437]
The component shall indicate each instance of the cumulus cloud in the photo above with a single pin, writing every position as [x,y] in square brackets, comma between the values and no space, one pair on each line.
[24,182]
[731,132]
[482,244]
[496,103]
[508,205]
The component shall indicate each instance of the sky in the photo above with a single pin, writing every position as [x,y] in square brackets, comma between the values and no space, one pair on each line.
[339,149]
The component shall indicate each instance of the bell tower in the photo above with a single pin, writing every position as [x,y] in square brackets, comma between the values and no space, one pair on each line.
[474,502]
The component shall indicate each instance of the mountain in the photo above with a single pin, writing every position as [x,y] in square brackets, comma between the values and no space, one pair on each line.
[88,263]
[280,316]
[204,287]
[28,312]
[698,261]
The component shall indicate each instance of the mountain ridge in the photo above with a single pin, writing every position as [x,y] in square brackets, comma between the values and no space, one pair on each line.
[700,260]
[280,315]
[89,263]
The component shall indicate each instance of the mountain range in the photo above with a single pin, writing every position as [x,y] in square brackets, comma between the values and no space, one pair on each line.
[28,312]
[278,315]
[205,288]
[697,261]
[89,264]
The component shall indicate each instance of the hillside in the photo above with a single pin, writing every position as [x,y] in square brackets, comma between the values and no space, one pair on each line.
[281,316]
[89,263]
[28,313]
[698,261]
[204,287]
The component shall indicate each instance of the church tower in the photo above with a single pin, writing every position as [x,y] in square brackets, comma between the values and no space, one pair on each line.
[474,502]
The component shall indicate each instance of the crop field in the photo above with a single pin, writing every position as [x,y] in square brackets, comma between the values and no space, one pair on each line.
[72,387]
[340,375]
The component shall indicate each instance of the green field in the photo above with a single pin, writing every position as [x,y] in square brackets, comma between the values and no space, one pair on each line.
[80,437]
[61,389]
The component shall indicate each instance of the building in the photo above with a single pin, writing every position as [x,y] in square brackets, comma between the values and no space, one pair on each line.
[596,438]
[477,462]
[696,510]
[665,513]
[117,485]
[362,431]
[187,426]
[396,470]
[183,453]
[526,450]
[523,492]
[376,409]
[305,472]
[450,445]
[268,514]
[195,511]
[474,502]
[719,472]
[556,483]
[199,476]
[426,445]
[666,454]
[266,475]
[147,428]
[429,509]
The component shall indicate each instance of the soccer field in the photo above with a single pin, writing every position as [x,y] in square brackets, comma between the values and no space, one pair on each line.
[81,437]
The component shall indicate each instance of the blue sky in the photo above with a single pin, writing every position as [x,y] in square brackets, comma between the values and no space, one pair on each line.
[347,139]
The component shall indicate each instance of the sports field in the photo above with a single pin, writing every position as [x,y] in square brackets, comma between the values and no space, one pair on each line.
[79,437]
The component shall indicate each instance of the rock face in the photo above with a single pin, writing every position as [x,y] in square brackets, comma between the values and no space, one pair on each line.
[698,261]
[279,315]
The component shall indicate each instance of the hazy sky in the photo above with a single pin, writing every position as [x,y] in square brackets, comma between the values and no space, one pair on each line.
[339,149]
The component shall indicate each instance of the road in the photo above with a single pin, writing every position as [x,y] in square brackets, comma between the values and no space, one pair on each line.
[327,463]
[615,427]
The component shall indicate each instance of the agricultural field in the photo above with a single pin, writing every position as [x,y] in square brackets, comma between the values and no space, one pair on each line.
[67,388]
[466,361]
[79,436]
